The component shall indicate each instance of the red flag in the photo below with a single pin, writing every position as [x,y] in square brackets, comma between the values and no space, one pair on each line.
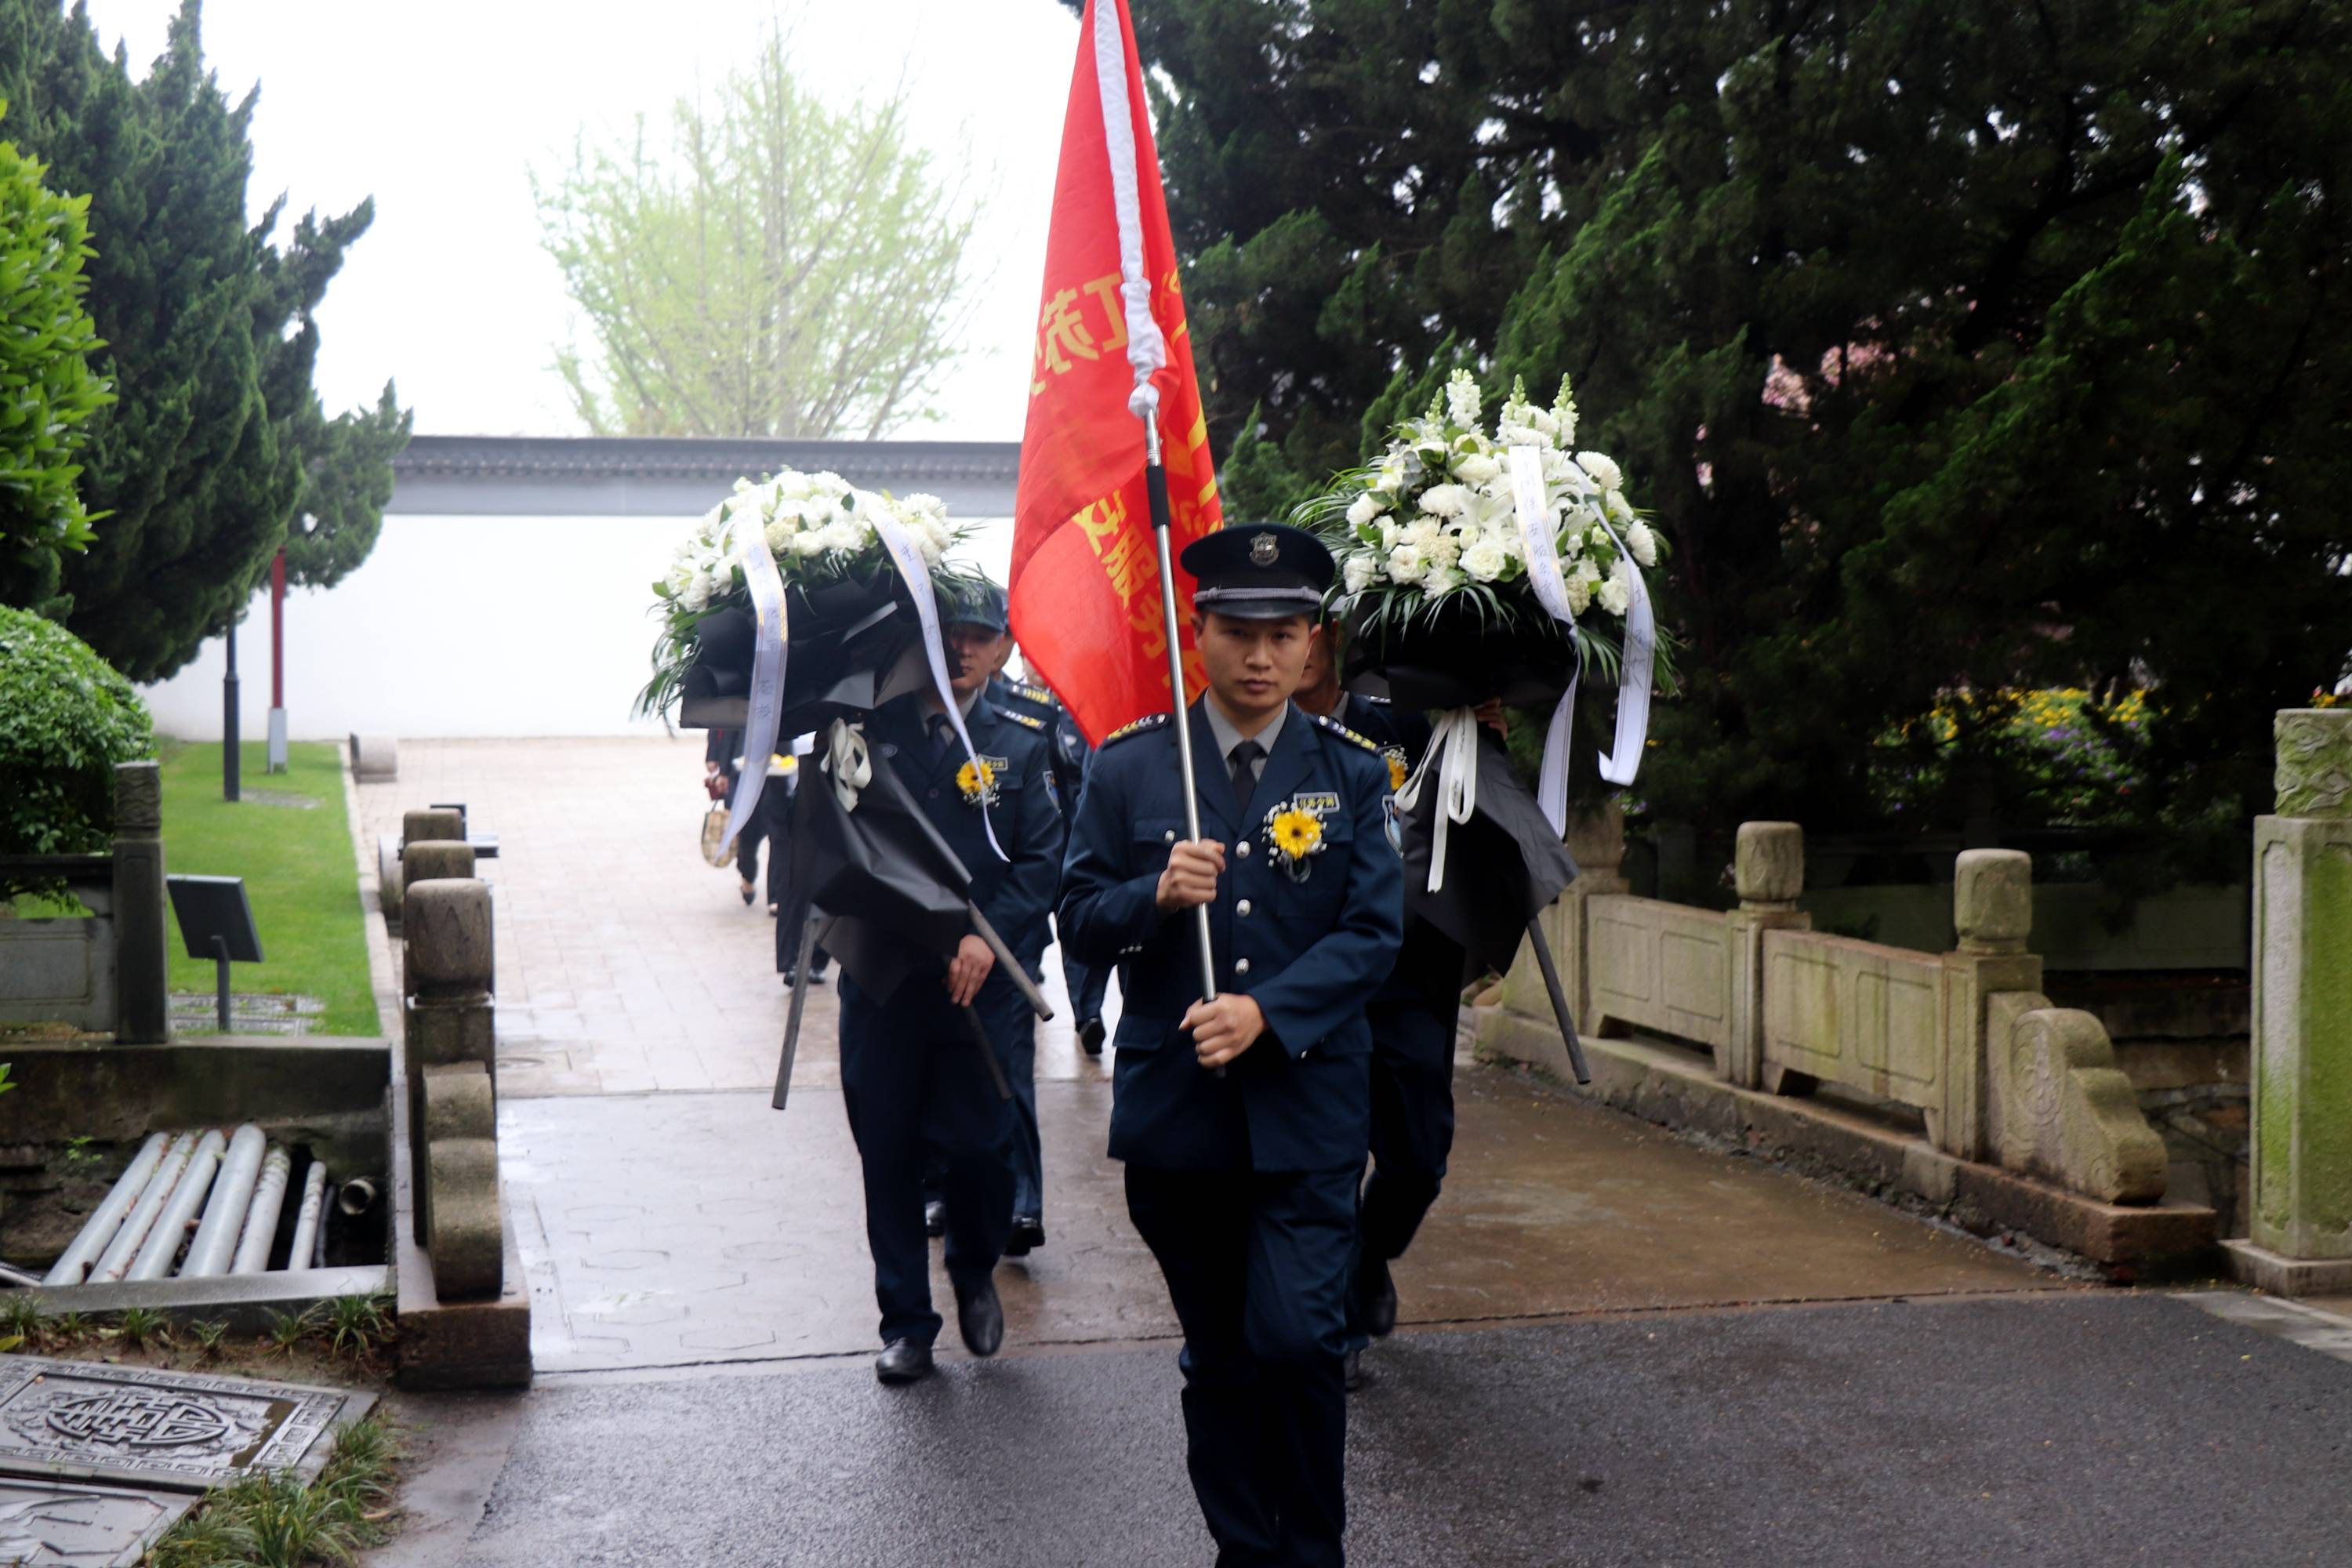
[1085,586]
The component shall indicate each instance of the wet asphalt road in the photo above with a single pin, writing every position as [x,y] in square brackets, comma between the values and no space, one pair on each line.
[2068,1428]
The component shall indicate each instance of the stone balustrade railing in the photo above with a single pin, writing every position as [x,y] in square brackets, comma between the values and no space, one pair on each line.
[1966,1038]
[106,971]
[449,1057]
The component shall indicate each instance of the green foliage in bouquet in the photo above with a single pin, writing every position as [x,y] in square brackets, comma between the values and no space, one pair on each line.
[820,530]
[66,719]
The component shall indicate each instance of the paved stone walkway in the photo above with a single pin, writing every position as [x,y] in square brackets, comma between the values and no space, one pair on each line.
[1582,1378]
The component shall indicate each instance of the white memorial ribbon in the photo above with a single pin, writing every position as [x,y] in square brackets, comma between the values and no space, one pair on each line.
[847,762]
[1634,675]
[748,542]
[1453,755]
[1146,351]
[917,573]
[1536,531]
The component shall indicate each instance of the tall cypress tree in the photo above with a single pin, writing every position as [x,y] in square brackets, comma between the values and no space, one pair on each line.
[1957,347]
[209,453]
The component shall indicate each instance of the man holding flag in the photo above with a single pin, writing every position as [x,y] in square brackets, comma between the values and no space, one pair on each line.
[1240,1091]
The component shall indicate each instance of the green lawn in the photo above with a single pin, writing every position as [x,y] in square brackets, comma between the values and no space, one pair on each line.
[299,875]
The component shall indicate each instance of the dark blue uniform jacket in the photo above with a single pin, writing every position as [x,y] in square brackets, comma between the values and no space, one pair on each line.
[1016,895]
[1311,952]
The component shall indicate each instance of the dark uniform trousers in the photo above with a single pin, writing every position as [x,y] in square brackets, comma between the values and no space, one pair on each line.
[913,1081]
[1244,1186]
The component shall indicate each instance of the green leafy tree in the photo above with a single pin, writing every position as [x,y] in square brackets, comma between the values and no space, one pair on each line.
[778,268]
[1957,348]
[216,442]
[47,390]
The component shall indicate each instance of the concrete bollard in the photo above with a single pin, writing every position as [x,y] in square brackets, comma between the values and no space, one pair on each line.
[1992,911]
[2302,1164]
[375,759]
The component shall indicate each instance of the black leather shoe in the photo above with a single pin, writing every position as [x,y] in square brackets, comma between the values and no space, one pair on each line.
[935,1219]
[980,1319]
[903,1360]
[1352,1370]
[1090,1035]
[1376,1302]
[1028,1232]
[750,892]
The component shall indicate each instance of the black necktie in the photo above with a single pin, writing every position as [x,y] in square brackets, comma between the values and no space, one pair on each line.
[1245,780]
[938,736]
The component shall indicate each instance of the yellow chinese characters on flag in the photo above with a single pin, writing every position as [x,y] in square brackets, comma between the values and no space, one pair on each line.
[1086,577]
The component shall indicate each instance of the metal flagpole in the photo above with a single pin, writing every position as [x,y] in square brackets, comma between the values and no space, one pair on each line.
[1155,479]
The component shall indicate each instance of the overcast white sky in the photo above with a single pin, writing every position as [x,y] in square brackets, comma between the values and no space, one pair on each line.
[439,110]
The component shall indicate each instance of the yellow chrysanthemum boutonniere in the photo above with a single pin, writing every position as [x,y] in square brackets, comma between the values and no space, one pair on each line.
[1294,836]
[1397,770]
[977,779]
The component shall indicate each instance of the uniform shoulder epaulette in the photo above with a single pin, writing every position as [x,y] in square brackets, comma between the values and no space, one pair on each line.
[1336,727]
[1026,720]
[1375,701]
[1037,694]
[1149,722]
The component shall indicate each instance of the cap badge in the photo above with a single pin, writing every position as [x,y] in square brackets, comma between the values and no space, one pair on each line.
[1264,549]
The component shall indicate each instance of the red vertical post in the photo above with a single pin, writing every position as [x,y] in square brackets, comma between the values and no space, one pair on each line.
[277,630]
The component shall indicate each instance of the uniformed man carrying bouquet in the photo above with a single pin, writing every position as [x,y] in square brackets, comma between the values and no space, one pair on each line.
[1243,1120]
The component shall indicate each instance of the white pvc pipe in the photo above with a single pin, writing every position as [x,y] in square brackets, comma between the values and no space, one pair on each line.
[261,1220]
[162,1243]
[107,1218]
[307,1231]
[112,1263]
[215,1240]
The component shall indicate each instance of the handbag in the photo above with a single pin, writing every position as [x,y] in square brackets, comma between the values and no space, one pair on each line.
[715,847]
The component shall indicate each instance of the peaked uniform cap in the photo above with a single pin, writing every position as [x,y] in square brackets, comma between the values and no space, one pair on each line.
[1259,571]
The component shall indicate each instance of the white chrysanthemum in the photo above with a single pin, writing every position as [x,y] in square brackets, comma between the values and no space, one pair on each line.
[697,597]
[1579,596]
[1614,596]
[1619,510]
[1477,469]
[1406,563]
[1390,476]
[1602,468]
[779,536]
[1444,501]
[1485,560]
[1642,544]
[810,541]
[1442,580]
[1369,505]
[1421,533]
[1360,571]
[1462,399]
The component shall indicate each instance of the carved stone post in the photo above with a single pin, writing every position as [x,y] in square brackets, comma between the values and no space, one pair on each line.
[1993,908]
[1768,870]
[447,1021]
[415,827]
[142,994]
[2302,1165]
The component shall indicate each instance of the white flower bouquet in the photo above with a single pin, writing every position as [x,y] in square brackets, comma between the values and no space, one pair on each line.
[1432,556]
[820,531]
